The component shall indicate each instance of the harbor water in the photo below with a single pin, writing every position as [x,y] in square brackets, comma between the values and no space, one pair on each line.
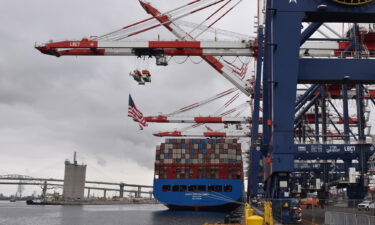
[18,213]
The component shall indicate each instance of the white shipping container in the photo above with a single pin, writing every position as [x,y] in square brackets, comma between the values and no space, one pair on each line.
[183,151]
[217,161]
[238,157]
[200,156]
[352,175]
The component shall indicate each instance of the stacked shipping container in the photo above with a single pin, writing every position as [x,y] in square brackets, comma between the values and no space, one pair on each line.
[199,159]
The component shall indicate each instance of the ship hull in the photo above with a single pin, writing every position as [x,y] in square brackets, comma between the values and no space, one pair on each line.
[226,197]
[217,208]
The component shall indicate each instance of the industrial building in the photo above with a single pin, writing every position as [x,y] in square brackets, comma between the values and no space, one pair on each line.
[74,180]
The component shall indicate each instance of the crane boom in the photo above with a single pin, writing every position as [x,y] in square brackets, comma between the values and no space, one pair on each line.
[150,48]
[201,134]
[227,72]
[200,119]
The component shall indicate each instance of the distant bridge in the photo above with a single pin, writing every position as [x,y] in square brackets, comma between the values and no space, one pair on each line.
[27,180]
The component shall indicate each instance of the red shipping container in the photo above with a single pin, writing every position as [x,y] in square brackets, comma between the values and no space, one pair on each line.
[223,173]
[194,173]
[171,173]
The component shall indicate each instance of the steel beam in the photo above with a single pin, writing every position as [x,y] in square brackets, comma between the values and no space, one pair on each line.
[255,153]
[345,112]
[336,71]
[310,30]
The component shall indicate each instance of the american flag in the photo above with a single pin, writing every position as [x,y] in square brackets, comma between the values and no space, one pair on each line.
[134,113]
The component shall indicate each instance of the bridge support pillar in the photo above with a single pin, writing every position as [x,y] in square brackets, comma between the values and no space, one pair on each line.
[122,185]
[44,191]
[105,194]
[139,192]
[88,192]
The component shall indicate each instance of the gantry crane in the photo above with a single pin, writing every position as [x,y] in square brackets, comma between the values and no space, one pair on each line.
[113,43]
[287,127]
[284,68]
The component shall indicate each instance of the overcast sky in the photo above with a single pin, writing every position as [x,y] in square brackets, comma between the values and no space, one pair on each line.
[51,107]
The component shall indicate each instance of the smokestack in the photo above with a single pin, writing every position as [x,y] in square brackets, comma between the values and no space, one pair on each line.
[75,158]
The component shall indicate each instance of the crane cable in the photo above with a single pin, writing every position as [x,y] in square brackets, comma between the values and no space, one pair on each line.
[217,20]
[182,62]
[205,20]
[196,62]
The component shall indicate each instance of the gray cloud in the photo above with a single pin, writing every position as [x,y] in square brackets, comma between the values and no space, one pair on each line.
[51,107]
[102,162]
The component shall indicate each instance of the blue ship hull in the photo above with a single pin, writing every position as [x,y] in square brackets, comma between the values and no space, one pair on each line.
[226,199]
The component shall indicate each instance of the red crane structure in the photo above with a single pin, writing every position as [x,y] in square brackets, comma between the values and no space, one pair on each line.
[115,43]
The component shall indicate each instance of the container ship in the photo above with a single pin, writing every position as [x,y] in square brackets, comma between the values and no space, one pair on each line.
[199,174]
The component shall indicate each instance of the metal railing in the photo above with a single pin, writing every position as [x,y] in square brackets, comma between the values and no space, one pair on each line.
[341,218]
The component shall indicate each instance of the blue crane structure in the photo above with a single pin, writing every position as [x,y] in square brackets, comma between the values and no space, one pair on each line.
[291,141]
[281,69]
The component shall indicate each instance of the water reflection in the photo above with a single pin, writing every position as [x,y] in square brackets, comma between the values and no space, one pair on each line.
[186,217]
[21,214]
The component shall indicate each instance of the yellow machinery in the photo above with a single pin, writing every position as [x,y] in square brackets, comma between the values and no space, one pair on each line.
[353,2]
[268,219]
